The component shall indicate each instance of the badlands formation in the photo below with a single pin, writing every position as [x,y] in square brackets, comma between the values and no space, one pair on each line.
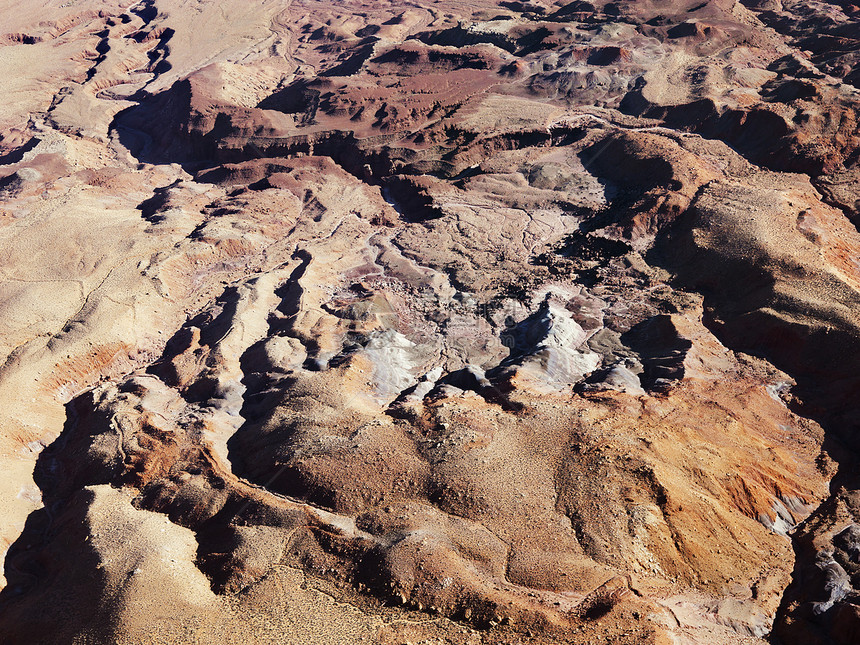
[430,322]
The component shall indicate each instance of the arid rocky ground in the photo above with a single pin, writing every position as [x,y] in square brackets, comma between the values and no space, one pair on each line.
[430,322]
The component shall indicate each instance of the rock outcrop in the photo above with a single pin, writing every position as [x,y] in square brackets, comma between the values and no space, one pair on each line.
[512,322]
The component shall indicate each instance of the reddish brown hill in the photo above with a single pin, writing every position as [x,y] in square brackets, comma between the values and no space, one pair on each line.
[518,322]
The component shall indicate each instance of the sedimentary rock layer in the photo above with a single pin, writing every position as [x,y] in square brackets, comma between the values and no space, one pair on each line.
[485,322]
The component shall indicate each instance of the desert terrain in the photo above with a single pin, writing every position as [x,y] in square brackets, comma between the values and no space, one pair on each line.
[518,322]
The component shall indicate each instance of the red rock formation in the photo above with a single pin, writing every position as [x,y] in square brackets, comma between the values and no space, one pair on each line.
[494,323]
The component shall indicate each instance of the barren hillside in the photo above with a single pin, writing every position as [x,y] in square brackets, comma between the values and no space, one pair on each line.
[430,322]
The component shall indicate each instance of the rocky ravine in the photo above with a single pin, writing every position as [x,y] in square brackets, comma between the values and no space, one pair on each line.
[434,322]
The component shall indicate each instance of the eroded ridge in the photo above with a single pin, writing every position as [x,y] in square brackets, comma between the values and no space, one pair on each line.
[498,323]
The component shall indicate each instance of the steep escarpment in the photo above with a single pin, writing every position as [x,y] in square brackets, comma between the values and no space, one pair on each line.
[512,322]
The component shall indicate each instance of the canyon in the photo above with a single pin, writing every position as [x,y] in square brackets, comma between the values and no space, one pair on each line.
[430,322]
